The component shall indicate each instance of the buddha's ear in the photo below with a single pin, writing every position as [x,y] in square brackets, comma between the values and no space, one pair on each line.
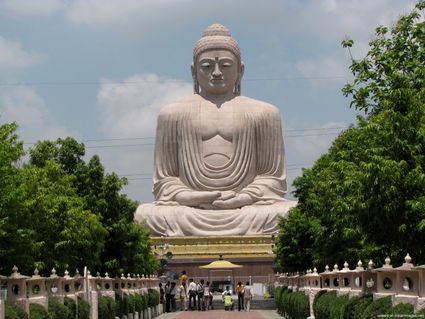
[242,70]
[195,80]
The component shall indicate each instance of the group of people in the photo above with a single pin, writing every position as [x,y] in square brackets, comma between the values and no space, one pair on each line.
[244,293]
[192,295]
[198,295]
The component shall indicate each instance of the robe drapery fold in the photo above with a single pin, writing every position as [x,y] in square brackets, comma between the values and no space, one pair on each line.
[256,168]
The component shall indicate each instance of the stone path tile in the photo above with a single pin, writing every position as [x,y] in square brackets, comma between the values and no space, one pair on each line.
[221,314]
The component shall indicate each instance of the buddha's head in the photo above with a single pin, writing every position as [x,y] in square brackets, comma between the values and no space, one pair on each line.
[217,67]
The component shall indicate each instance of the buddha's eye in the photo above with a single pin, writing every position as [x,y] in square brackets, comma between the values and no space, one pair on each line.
[205,65]
[226,64]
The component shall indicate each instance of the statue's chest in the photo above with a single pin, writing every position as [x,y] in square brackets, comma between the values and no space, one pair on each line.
[213,121]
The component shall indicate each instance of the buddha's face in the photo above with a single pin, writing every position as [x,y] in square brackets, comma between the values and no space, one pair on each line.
[217,71]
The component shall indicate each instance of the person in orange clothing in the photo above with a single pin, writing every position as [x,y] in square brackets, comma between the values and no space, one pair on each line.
[240,292]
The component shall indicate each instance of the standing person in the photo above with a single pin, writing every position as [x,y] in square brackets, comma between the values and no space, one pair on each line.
[183,278]
[167,290]
[239,291]
[173,292]
[247,296]
[192,294]
[207,296]
[161,295]
[183,297]
[200,294]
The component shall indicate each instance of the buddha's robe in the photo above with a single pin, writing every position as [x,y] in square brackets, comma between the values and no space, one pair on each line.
[255,166]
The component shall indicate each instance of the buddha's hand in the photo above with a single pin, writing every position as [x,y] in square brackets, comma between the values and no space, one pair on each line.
[237,201]
[194,199]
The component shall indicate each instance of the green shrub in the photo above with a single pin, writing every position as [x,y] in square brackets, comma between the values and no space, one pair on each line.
[356,306]
[278,294]
[139,302]
[58,310]
[125,304]
[377,307]
[14,312]
[421,312]
[401,309]
[337,307]
[38,312]
[71,305]
[83,309]
[153,297]
[119,306]
[294,305]
[322,305]
[106,308]
[131,303]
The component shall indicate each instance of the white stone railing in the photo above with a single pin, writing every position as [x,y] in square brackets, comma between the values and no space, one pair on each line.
[25,290]
[405,284]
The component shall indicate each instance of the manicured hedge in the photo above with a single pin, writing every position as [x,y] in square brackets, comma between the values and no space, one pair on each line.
[377,307]
[153,297]
[58,310]
[38,312]
[322,305]
[401,309]
[14,312]
[106,308]
[292,305]
[356,306]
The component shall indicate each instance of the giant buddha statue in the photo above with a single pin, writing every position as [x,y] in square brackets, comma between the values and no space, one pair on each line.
[219,156]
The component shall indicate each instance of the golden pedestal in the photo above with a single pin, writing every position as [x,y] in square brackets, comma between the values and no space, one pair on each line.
[253,252]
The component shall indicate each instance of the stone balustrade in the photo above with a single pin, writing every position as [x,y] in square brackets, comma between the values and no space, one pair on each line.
[405,284]
[25,290]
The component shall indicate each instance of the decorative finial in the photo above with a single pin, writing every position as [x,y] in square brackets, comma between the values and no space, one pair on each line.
[408,259]
[359,264]
[336,267]
[122,276]
[346,266]
[15,269]
[66,273]
[370,264]
[53,271]
[128,275]
[388,261]
[327,268]
[36,272]
[315,271]
[77,272]
[106,275]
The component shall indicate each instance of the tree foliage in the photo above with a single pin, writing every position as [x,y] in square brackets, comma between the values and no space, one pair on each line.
[59,211]
[365,198]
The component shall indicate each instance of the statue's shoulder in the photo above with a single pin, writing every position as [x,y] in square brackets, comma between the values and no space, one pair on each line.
[257,106]
[178,107]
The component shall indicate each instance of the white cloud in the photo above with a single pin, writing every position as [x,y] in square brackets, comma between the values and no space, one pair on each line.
[333,67]
[31,7]
[130,108]
[23,105]
[303,148]
[14,58]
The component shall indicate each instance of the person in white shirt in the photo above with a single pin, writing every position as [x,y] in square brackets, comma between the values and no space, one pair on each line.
[183,297]
[207,296]
[192,294]
[248,294]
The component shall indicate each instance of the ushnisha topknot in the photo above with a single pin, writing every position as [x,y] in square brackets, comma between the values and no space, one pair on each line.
[216,36]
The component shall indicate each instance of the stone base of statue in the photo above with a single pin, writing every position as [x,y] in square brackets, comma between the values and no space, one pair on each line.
[178,221]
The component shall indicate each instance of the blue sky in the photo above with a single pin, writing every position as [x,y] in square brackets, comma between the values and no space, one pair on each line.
[101,69]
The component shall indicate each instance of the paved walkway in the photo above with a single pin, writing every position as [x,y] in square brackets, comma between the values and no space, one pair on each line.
[221,314]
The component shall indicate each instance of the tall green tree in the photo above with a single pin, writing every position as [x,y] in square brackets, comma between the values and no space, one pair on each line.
[127,245]
[365,198]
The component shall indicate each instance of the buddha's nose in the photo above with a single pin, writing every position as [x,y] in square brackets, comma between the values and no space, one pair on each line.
[216,72]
